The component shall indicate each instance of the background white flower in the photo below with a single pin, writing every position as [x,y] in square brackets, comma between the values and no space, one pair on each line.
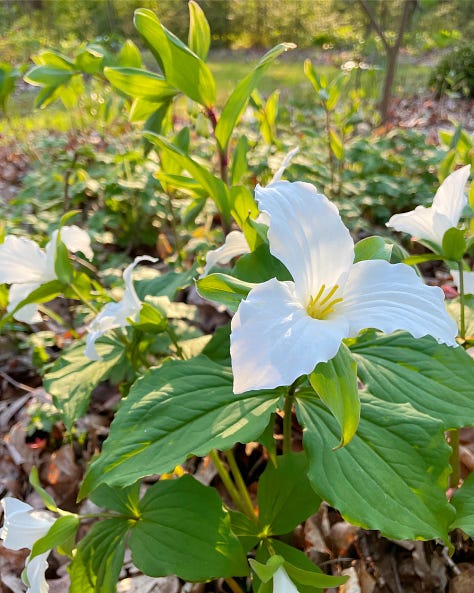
[468,280]
[22,527]
[284,329]
[282,582]
[26,266]
[235,243]
[116,314]
[431,223]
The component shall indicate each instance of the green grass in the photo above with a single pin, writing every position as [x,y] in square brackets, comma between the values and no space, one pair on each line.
[285,74]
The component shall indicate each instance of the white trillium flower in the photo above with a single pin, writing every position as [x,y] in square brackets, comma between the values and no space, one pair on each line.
[26,266]
[284,329]
[432,223]
[468,278]
[235,243]
[282,582]
[116,314]
[22,527]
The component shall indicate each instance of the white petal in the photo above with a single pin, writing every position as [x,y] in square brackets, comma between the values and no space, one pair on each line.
[418,223]
[282,582]
[235,244]
[284,165]
[450,199]
[392,297]
[307,234]
[23,526]
[468,280]
[90,350]
[130,295]
[274,340]
[76,240]
[19,292]
[21,260]
[35,570]
[115,315]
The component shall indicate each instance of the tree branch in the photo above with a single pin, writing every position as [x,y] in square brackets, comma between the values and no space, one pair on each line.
[373,21]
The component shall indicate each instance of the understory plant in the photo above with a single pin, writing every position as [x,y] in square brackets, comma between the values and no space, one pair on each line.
[341,343]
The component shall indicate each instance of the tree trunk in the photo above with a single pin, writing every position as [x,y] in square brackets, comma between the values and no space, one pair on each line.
[392,51]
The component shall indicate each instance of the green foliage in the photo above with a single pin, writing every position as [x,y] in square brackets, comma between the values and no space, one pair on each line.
[186,407]
[335,382]
[455,73]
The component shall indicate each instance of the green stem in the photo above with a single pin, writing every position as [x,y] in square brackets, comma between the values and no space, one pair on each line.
[331,156]
[225,477]
[174,340]
[462,329]
[83,301]
[233,585]
[241,486]
[287,421]
[454,433]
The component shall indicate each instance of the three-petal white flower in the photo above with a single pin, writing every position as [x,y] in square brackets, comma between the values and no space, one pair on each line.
[22,527]
[432,223]
[284,329]
[26,266]
[116,314]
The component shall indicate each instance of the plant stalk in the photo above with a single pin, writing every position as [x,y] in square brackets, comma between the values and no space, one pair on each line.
[287,421]
[241,486]
[225,477]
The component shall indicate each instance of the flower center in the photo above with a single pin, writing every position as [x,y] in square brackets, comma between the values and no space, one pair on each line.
[322,305]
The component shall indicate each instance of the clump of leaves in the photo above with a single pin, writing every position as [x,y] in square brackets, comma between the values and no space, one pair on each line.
[455,73]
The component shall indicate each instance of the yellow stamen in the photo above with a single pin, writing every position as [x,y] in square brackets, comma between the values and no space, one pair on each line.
[320,309]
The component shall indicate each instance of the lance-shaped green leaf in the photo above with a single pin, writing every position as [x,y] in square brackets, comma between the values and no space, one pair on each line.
[183,69]
[336,144]
[182,408]
[60,535]
[224,289]
[199,38]
[463,502]
[54,59]
[184,530]
[73,377]
[213,185]
[237,101]
[435,379]
[44,293]
[285,495]
[335,382]
[397,461]
[99,557]
[48,76]
[129,55]
[140,83]
[454,244]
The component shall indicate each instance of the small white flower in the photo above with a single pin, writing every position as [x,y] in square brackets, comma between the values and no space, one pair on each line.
[468,280]
[284,329]
[235,243]
[26,266]
[116,314]
[431,223]
[282,582]
[22,527]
